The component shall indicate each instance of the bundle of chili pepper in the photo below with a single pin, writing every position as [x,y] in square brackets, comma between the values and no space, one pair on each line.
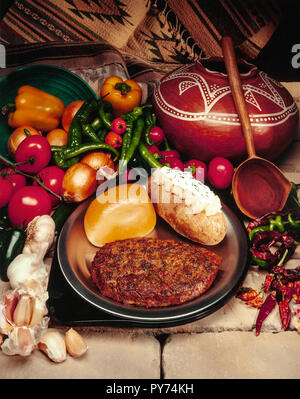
[82,136]
[271,230]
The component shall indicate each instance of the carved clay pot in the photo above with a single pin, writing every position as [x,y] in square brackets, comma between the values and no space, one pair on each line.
[195,108]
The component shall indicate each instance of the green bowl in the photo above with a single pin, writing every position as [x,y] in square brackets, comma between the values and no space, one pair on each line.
[54,80]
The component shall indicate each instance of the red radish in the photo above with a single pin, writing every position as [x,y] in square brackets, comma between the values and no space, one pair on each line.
[118,126]
[174,163]
[27,203]
[52,178]
[220,172]
[170,154]
[6,191]
[199,169]
[15,179]
[154,150]
[156,135]
[33,154]
[113,139]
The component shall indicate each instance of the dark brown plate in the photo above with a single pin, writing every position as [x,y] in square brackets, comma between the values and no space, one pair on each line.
[75,254]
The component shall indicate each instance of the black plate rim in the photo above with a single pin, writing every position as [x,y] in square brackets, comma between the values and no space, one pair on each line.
[165,316]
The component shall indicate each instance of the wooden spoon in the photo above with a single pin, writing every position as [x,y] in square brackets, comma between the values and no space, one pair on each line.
[258,185]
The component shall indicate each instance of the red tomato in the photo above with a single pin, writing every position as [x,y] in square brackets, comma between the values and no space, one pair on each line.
[33,154]
[27,203]
[69,114]
[220,172]
[16,180]
[6,191]
[199,169]
[52,178]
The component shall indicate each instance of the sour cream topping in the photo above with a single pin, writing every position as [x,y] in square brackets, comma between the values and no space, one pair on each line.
[197,196]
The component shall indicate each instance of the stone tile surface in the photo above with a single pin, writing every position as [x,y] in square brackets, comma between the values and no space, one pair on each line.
[109,356]
[232,355]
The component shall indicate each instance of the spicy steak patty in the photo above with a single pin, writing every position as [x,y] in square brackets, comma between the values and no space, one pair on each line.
[151,272]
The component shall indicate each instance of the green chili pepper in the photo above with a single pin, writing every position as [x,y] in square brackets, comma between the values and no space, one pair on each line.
[89,108]
[106,113]
[59,148]
[292,221]
[276,224]
[12,245]
[135,139]
[150,121]
[148,157]
[257,230]
[60,160]
[61,214]
[97,124]
[4,220]
[167,146]
[89,132]
[76,151]
[260,262]
[102,134]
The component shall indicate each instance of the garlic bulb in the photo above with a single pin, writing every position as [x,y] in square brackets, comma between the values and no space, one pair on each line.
[27,271]
[40,235]
[23,312]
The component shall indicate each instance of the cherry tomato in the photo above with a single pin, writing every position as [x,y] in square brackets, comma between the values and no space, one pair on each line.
[6,191]
[220,172]
[113,139]
[199,169]
[52,178]
[69,113]
[33,154]
[16,180]
[27,203]
[118,126]
[156,135]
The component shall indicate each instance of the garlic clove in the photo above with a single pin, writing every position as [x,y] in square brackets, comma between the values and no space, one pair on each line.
[5,325]
[23,311]
[76,346]
[19,342]
[38,311]
[52,343]
[10,302]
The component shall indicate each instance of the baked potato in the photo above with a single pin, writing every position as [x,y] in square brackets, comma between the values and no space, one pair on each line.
[198,217]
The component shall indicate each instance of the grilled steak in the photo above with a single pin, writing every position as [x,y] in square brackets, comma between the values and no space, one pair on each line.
[151,272]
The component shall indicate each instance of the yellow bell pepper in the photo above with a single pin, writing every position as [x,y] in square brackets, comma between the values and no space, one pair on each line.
[36,108]
[123,95]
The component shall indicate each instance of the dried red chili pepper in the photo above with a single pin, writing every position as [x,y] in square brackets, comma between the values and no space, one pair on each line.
[268,281]
[265,310]
[285,313]
[256,302]
[296,291]
[246,294]
[287,291]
